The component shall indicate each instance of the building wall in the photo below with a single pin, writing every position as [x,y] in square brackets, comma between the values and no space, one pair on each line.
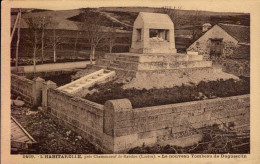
[202,45]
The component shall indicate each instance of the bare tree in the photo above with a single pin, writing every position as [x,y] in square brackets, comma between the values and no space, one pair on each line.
[55,39]
[18,21]
[111,38]
[32,37]
[92,24]
[75,44]
[172,12]
[195,21]
[45,21]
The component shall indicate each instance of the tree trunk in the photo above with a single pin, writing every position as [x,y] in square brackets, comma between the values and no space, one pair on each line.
[110,47]
[90,56]
[34,52]
[34,60]
[18,40]
[42,43]
[14,28]
[54,54]
[93,53]
[75,46]
[54,45]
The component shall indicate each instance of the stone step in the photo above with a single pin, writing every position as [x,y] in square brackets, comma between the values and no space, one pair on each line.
[152,57]
[156,65]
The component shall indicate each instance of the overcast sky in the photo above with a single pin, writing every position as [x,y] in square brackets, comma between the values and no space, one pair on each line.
[209,5]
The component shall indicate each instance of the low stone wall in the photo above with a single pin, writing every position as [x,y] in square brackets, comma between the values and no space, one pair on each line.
[52,67]
[175,124]
[116,127]
[80,115]
[29,90]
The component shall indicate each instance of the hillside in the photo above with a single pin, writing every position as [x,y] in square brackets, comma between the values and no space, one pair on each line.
[122,18]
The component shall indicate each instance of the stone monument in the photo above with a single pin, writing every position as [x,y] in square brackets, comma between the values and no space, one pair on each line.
[153,61]
[153,33]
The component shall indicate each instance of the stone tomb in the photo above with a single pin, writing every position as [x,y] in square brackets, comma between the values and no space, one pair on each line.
[153,60]
[153,33]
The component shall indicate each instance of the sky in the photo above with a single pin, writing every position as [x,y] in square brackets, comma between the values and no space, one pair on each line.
[244,6]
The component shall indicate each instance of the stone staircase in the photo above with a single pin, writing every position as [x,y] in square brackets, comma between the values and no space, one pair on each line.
[78,87]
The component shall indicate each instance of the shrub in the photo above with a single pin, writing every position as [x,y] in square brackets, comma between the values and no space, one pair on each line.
[152,97]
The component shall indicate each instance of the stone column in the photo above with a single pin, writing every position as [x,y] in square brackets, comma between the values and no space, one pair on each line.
[112,111]
[37,91]
[46,85]
[172,41]
[134,38]
[145,39]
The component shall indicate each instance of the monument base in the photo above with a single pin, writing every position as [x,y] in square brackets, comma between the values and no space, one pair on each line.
[160,70]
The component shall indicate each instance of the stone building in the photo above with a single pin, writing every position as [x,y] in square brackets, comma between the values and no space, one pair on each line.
[153,33]
[223,40]
[206,27]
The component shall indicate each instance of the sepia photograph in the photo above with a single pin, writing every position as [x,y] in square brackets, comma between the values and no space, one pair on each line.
[138,79]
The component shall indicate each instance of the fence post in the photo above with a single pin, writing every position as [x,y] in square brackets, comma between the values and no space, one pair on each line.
[37,91]
[46,85]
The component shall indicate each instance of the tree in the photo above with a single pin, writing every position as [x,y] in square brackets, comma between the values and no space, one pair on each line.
[111,38]
[195,21]
[75,44]
[17,21]
[18,39]
[32,37]
[172,12]
[55,40]
[92,25]
[45,21]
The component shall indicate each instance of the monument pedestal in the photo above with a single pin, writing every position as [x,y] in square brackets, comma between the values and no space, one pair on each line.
[160,70]
[150,62]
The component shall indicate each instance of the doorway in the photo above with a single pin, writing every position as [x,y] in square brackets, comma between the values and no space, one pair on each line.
[216,47]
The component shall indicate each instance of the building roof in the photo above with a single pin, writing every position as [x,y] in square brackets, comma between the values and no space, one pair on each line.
[156,20]
[240,33]
[59,18]
[206,24]
[242,52]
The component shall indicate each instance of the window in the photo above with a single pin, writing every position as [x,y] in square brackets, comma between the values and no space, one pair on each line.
[138,34]
[167,37]
[153,33]
[159,34]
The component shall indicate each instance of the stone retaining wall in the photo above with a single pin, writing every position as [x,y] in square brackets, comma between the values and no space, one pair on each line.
[116,127]
[29,90]
[80,115]
[171,123]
